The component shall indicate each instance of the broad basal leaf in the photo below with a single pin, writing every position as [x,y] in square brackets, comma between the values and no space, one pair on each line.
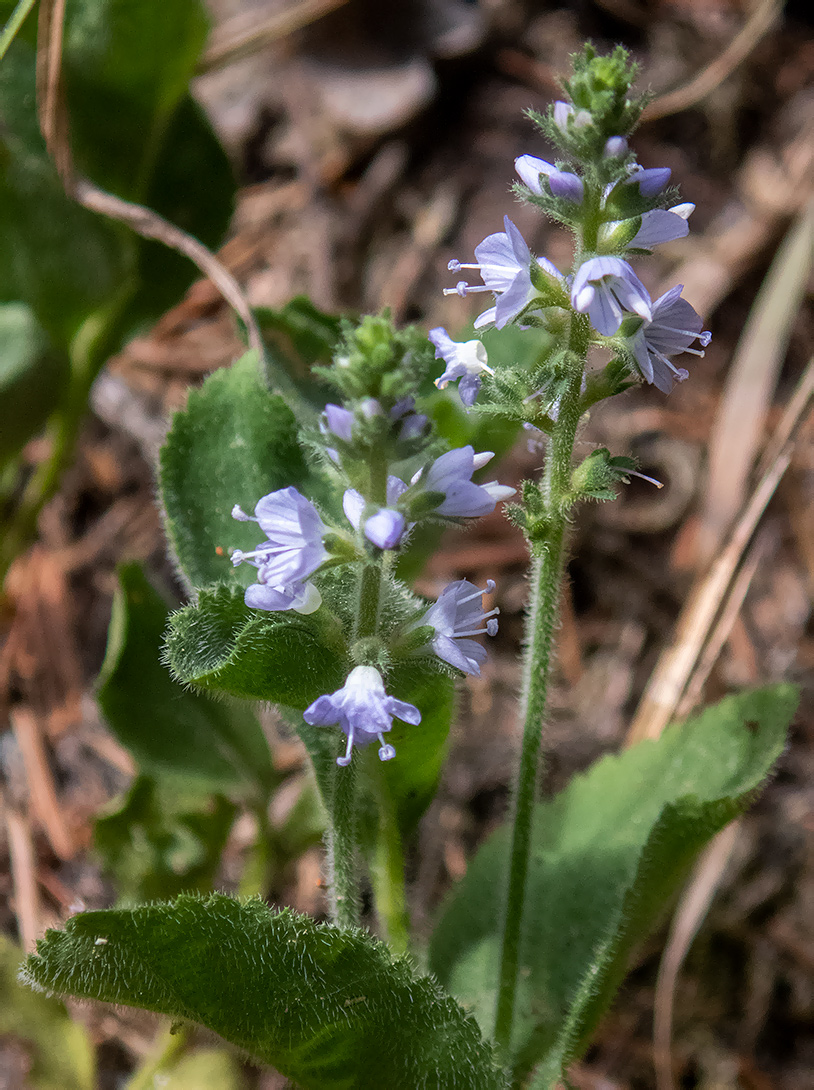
[234,443]
[283,658]
[329,1008]
[607,854]
[173,733]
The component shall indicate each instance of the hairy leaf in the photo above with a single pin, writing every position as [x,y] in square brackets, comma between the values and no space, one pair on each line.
[607,854]
[233,443]
[174,733]
[329,1008]
[283,658]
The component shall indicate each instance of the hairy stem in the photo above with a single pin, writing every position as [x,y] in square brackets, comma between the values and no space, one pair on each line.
[548,558]
[341,841]
[387,869]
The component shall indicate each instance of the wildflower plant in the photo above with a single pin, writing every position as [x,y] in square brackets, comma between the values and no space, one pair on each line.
[300,604]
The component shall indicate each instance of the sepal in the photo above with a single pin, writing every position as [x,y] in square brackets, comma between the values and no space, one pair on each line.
[597,476]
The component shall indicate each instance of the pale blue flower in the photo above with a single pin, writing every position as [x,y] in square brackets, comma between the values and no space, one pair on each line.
[616,147]
[674,327]
[292,552]
[650,180]
[605,288]
[340,421]
[457,615]
[504,261]
[465,360]
[413,425]
[564,111]
[363,711]
[561,182]
[662,225]
[451,474]
[386,526]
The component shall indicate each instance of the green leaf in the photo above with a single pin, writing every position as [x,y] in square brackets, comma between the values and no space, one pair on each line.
[59,1054]
[174,734]
[329,1008]
[160,841]
[32,377]
[412,779]
[61,260]
[233,443]
[608,853]
[127,65]
[283,658]
[193,186]
[135,131]
[297,337]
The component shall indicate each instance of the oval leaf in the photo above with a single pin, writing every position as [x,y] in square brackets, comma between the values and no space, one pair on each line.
[233,443]
[330,1008]
[171,731]
[283,658]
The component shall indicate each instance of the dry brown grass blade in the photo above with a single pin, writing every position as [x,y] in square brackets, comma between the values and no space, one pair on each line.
[750,383]
[44,800]
[675,668]
[23,877]
[246,34]
[691,661]
[729,612]
[54,124]
[756,27]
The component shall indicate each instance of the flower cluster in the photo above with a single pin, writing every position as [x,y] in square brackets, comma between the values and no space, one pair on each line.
[376,427]
[624,217]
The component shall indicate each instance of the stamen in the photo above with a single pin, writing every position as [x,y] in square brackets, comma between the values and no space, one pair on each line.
[469,632]
[679,372]
[241,516]
[490,586]
[463,289]
[705,337]
[636,473]
[343,762]
[387,752]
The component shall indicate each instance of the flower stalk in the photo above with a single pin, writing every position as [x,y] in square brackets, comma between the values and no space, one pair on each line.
[548,551]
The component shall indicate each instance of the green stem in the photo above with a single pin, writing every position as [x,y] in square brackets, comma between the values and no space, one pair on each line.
[341,837]
[262,859]
[170,1045]
[13,25]
[548,558]
[387,868]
